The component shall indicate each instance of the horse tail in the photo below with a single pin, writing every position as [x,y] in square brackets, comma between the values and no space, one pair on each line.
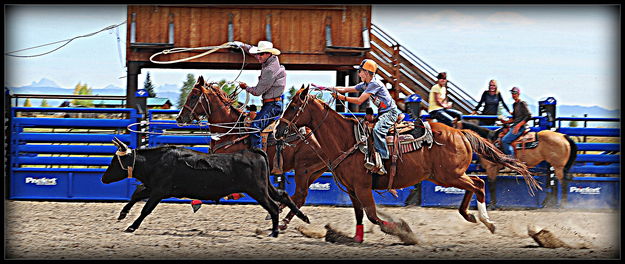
[482,131]
[487,150]
[572,154]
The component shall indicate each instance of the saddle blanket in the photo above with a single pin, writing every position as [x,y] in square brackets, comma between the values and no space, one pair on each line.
[526,141]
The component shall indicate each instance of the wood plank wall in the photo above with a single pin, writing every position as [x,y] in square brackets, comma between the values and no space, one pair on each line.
[298,31]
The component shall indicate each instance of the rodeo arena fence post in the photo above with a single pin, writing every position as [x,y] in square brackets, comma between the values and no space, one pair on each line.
[56,157]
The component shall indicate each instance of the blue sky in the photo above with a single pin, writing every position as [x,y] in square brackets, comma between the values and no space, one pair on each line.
[571,52]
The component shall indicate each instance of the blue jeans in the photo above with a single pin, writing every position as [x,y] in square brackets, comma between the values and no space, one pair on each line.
[269,112]
[507,140]
[385,121]
[446,116]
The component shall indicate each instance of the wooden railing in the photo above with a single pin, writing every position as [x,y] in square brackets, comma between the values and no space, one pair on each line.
[409,74]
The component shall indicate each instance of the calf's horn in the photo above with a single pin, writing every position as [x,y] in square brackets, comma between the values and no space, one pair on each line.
[122,147]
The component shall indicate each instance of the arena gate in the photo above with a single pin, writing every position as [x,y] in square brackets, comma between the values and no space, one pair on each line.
[55,158]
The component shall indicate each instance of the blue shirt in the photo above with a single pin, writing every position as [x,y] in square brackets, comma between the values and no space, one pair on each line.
[380,96]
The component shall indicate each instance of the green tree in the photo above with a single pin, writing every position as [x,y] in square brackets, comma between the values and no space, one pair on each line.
[292,92]
[27,103]
[82,89]
[185,90]
[573,123]
[229,88]
[44,103]
[148,86]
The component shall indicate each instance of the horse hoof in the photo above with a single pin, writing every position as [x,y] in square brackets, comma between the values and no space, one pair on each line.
[282,227]
[130,230]
[471,218]
[491,207]
[121,217]
[491,227]
[274,234]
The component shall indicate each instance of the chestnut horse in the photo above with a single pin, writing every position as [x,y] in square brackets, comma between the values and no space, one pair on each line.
[444,164]
[206,100]
[558,149]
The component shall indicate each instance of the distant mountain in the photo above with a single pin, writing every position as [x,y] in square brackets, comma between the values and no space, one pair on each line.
[592,111]
[168,88]
[44,83]
[172,92]
[169,91]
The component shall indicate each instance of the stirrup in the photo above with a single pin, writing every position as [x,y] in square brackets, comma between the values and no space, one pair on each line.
[379,165]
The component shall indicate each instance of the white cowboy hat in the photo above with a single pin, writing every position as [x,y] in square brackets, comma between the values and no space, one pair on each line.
[264,46]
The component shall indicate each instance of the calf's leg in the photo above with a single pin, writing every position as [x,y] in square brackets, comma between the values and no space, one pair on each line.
[140,193]
[147,209]
[262,197]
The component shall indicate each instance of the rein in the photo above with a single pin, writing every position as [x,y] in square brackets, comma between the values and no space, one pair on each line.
[332,164]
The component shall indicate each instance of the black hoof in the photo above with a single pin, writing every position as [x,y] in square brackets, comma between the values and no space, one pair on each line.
[491,207]
[130,230]
[306,219]
[274,234]
[121,216]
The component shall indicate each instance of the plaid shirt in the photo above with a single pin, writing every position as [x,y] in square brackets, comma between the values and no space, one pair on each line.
[272,79]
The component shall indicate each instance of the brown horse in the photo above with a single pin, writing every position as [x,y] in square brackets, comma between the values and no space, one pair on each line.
[558,149]
[207,100]
[443,164]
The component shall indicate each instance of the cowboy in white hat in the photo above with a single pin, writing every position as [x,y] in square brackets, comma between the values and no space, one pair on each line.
[271,84]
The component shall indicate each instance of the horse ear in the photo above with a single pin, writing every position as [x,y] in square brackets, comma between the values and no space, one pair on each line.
[302,86]
[303,93]
[200,80]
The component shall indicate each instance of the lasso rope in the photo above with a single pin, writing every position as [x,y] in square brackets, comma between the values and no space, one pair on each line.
[210,49]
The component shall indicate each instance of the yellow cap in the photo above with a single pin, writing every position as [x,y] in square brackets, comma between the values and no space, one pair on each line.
[368,65]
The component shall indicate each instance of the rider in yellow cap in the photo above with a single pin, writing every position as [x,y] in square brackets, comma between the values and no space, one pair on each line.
[372,89]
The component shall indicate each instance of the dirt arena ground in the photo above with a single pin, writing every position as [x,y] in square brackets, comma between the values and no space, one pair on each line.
[90,230]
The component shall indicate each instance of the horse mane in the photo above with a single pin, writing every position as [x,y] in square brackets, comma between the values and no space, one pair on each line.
[224,97]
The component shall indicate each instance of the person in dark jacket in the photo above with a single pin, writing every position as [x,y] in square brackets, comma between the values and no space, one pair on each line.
[490,99]
[520,115]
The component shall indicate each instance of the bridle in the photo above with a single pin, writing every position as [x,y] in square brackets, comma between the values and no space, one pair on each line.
[331,164]
[202,98]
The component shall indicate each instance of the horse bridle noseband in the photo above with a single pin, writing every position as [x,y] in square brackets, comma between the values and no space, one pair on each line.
[199,102]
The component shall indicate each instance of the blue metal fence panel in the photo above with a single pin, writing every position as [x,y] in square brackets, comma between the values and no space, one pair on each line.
[45,184]
[40,181]
[592,193]
[84,184]
[72,137]
[598,147]
[512,192]
[590,131]
[70,122]
[68,149]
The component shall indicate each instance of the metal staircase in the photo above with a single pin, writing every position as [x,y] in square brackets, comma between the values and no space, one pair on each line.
[409,74]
